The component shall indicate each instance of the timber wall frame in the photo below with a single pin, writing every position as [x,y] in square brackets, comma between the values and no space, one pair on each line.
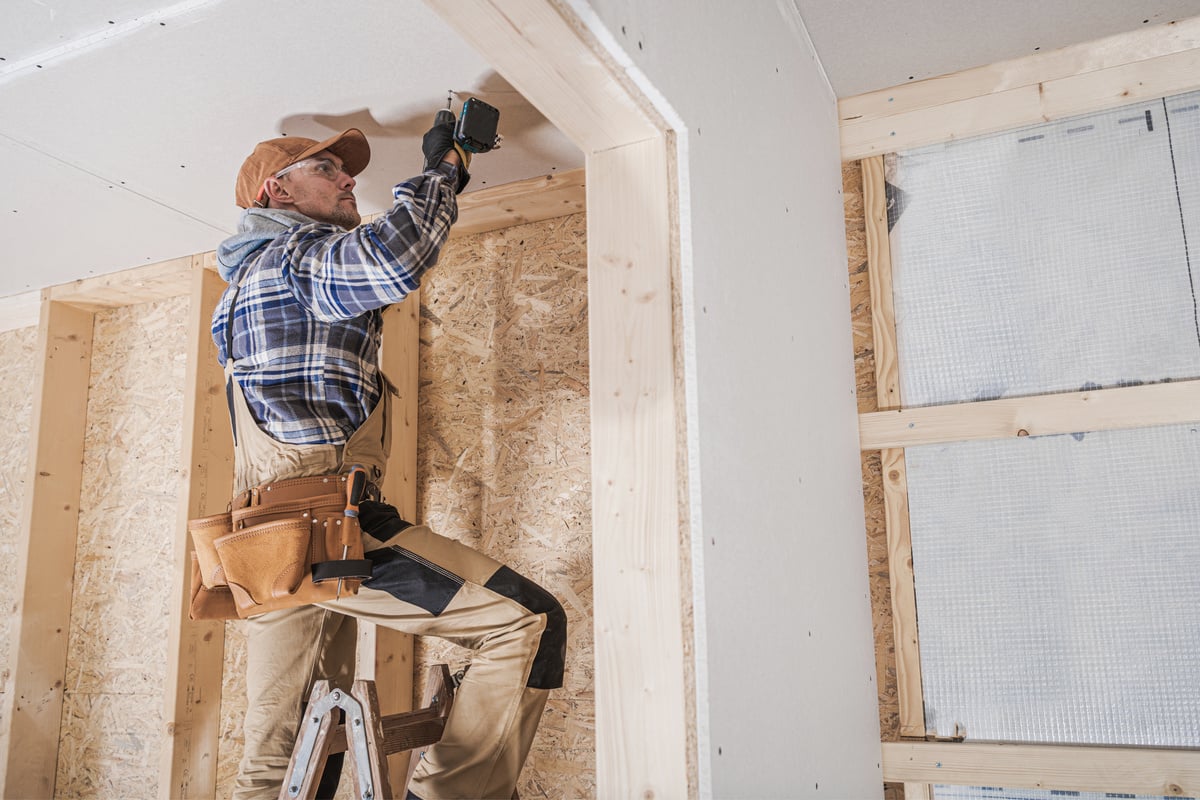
[546,52]
[64,315]
[1148,63]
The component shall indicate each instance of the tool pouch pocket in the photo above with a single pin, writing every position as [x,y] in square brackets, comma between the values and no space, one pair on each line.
[266,562]
[210,595]
[286,544]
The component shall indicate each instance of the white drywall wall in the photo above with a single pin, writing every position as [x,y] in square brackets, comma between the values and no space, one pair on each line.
[787,703]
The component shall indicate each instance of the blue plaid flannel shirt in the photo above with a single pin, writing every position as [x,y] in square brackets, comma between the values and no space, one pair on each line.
[307,324]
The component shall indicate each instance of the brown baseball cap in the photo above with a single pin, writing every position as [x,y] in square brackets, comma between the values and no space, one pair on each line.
[271,156]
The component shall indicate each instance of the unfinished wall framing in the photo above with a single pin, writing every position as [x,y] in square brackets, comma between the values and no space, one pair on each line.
[156,295]
[641,713]
[932,111]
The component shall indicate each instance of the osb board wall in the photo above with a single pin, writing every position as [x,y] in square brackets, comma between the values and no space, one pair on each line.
[17,354]
[872,475]
[504,459]
[117,651]
[504,456]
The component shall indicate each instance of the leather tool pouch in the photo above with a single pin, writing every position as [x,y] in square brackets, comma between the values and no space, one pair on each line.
[284,544]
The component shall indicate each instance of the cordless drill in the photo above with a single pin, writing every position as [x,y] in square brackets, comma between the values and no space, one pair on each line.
[475,128]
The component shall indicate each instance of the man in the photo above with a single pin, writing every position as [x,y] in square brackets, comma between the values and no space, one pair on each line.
[307,285]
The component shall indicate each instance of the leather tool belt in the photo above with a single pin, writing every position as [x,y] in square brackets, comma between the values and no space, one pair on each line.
[283,544]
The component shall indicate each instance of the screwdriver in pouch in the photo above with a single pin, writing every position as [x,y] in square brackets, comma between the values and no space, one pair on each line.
[356,483]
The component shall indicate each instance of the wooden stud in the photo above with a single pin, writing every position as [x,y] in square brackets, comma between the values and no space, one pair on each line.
[909,695]
[1094,410]
[895,482]
[641,721]
[918,791]
[392,666]
[197,649]
[1121,69]
[640,713]
[1133,770]
[879,274]
[41,613]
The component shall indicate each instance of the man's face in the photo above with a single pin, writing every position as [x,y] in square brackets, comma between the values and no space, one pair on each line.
[321,190]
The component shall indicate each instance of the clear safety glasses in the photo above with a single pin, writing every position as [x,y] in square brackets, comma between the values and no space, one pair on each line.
[316,166]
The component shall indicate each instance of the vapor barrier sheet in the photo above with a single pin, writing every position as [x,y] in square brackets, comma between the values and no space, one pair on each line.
[1056,580]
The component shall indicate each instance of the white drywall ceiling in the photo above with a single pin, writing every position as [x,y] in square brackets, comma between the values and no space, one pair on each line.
[870,44]
[123,123]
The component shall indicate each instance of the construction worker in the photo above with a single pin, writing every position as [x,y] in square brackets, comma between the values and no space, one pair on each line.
[307,284]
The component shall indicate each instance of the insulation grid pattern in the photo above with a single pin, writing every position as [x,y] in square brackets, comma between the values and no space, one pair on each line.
[1056,579]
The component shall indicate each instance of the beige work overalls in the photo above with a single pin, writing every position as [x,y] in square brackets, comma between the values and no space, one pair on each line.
[495,714]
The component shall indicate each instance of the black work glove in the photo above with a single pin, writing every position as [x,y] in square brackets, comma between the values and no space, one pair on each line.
[438,141]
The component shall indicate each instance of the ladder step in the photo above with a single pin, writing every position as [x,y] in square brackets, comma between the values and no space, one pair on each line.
[401,732]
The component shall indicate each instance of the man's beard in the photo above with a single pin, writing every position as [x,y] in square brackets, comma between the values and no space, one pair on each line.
[347,218]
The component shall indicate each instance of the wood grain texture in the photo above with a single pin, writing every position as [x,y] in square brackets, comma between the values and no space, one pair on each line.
[521,202]
[1124,48]
[33,697]
[1144,771]
[1070,412]
[895,484]
[872,473]
[640,713]
[20,311]
[196,650]
[541,54]
[903,595]
[391,666]
[879,258]
[146,284]
[1093,76]
[918,791]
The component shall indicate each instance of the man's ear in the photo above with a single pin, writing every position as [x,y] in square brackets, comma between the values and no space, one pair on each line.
[276,192]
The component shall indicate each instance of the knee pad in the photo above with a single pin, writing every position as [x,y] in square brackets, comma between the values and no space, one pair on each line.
[547,672]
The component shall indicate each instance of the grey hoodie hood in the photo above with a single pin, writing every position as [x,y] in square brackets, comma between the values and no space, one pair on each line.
[256,227]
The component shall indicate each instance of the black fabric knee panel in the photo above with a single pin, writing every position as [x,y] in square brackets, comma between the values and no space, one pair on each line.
[547,672]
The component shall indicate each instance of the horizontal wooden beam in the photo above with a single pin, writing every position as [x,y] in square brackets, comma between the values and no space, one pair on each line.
[1117,70]
[20,310]
[128,287]
[1097,410]
[546,55]
[530,200]
[1169,773]
[520,202]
